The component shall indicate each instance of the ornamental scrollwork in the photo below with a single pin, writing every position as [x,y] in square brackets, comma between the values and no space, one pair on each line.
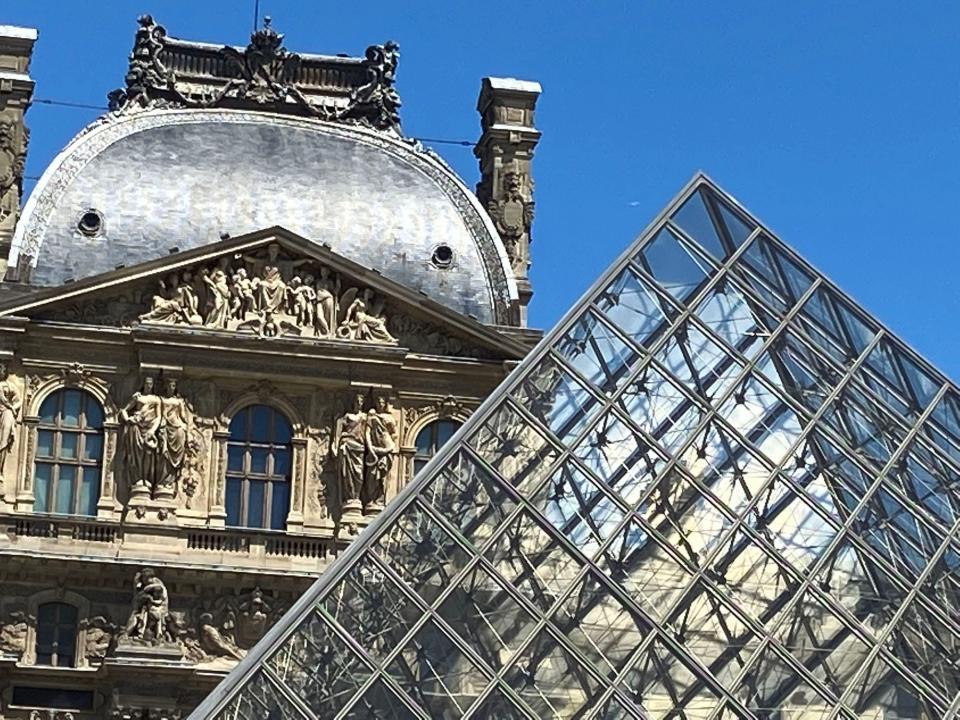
[264,73]
[271,295]
[445,407]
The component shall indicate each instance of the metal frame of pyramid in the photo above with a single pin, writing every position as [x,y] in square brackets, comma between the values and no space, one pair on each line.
[716,489]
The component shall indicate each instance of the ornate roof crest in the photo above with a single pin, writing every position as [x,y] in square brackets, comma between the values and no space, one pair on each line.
[167,72]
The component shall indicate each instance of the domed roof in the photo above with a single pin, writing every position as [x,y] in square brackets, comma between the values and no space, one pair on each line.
[130,188]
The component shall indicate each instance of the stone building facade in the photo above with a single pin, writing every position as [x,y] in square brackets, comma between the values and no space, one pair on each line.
[240,310]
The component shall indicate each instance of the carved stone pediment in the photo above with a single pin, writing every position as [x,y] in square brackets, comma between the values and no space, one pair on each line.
[274,287]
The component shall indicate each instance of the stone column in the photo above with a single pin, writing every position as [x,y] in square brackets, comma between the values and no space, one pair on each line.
[16,92]
[25,497]
[505,150]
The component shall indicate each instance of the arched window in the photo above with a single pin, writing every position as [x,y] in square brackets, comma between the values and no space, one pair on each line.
[56,634]
[431,439]
[66,468]
[258,469]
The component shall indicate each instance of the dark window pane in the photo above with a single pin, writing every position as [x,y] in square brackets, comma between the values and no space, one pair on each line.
[68,614]
[445,431]
[234,491]
[45,443]
[424,441]
[91,447]
[238,426]
[281,429]
[260,423]
[46,614]
[258,460]
[234,458]
[89,490]
[71,408]
[255,504]
[68,473]
[281,462]
[93,412]
[48,410]
[68,445]
[41,487]
[279,505]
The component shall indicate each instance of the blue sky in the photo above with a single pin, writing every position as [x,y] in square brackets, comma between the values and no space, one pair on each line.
[838,124]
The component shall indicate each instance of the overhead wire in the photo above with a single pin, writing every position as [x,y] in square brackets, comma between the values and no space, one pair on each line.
[85,106]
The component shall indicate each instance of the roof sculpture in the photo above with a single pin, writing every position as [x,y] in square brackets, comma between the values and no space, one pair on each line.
[717,489]
[206,141]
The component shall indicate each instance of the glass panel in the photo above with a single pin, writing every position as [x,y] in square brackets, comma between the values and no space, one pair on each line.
[595,351]
[71,408]
[68,445]
[234,458]
[93,412]
[673,266]
[282,431]
[234,492]
[89,490]
[255,500]
[92,444]
[635,308]
[281,463]
[44,443]
[279,505]
[694,219]
[48,409]
[42,473]
[238,425]
[65,489]
[258,460]
[445,430]
[260,423]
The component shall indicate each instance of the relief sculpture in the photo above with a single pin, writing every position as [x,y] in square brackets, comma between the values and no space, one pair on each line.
[271,295]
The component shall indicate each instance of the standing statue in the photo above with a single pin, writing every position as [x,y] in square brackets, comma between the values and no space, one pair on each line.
[381,441]
[148,621]
[349,447]
[10,403]
[328,288]
[218,312]
[141,445]
[173,432]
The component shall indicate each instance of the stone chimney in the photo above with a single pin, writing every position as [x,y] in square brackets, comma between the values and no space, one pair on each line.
[505,150]
[16,92]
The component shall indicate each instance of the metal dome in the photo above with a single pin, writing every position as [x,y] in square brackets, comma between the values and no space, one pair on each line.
[132,187]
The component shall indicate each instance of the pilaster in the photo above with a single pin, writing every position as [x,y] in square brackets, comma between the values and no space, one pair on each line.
[16,92]
[505,151]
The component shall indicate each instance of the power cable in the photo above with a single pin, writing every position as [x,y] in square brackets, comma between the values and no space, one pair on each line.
[84,106]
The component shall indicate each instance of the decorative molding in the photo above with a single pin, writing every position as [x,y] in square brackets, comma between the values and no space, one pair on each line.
[512,213]
[446,407]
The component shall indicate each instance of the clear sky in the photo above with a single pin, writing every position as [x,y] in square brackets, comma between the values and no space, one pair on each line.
[837,123]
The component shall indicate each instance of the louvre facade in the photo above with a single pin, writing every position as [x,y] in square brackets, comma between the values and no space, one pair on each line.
[237,312]
[717,489]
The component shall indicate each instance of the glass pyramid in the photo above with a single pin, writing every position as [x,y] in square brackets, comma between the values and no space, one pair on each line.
[717,489]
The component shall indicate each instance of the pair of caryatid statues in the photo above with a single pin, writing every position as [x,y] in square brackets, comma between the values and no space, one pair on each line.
[155,437]
[365,444]
[271,296]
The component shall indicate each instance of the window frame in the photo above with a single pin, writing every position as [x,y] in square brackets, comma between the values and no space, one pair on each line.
[245,476]
[82,431]
[420,459]
[73,629]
